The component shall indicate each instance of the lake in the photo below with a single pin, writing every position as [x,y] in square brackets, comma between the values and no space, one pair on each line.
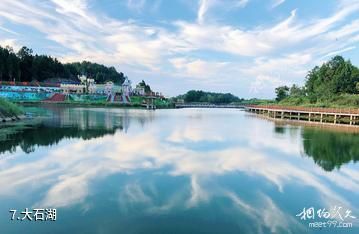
[175,171]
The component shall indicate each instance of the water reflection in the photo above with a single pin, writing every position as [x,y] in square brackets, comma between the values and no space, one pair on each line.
[184,171]
[329,148]
[52,124]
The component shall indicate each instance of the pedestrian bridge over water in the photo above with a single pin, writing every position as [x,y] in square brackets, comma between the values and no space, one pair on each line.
[347,116]
[208,105]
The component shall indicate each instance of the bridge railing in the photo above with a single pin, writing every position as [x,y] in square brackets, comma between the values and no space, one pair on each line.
[308,109]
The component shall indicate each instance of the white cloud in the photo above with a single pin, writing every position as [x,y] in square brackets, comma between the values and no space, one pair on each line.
[8,30]
[176,51]
[192,134]
[338,52]
[277,3]
[203,7]
[10,42]
[197,68]
[241,3]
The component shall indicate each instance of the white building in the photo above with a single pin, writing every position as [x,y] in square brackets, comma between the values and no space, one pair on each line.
[139,90]
[89,84]
[73,88]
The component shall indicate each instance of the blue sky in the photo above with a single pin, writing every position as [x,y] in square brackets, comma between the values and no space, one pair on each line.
[247,47]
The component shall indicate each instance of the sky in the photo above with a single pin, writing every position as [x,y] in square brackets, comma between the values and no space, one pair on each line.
[246,47]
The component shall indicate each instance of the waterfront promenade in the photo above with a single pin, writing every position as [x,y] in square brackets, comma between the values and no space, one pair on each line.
[347,116]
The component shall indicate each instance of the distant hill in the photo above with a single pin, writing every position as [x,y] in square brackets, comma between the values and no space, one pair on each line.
[208,97]
[24,66]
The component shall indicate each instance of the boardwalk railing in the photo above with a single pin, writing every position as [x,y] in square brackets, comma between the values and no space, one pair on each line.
[349,116]
[307,109]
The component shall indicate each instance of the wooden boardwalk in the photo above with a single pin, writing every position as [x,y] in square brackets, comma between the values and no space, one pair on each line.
[348,116]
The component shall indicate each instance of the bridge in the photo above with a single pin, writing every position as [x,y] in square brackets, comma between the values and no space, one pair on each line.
[344,116]
[208,105]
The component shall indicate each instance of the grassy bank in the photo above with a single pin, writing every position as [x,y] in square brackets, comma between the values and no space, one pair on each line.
[9,109]
[136,102]
[338,101]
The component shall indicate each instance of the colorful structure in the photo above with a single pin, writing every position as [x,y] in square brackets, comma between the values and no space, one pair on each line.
[72,88]
[86,91]
[126,91]
[139,91]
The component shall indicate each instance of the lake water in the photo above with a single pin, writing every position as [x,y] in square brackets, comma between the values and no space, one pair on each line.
[174,171]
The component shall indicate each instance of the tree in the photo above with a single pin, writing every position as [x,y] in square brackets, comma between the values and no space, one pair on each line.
[208,97]
[331,78]
[145,86]
[13,66]
[99,72]
[26,59]
[281,92]
[296,91]
[24,66]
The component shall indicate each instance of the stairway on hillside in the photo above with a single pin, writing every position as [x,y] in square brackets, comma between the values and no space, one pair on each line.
[57,97]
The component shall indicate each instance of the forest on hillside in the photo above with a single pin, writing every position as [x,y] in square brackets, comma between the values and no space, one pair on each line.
[23,65]
[208,97]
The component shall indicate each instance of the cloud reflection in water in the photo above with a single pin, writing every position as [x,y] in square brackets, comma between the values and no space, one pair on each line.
[250,151]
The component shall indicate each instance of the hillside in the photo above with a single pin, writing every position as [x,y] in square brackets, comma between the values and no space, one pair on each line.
[9,109]
[26,67]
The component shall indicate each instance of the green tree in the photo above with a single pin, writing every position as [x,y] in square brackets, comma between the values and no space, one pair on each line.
[13,66]
[145,86]
[281,92]
[24,66]
[334,77]
[26,59]
[296,91]
[208,97]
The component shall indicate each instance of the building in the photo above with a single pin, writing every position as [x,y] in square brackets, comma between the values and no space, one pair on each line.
[108,88]
[73,88]
[139,91]
[89,84]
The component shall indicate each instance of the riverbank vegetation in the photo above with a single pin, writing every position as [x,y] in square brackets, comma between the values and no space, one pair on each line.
[9,109]
[24,66]
[136,102]
[333,84]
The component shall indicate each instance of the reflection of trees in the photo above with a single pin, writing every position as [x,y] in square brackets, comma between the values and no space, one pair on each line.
[29,138]
[53,123]
[279,129]
[57,123]
[330,149]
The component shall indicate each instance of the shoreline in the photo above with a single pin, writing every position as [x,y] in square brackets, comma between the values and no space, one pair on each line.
[9,111]
[89,104]
[313,116]
[13,119]
[306,124]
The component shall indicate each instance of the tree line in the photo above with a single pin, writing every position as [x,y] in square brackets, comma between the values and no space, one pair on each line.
[24,66]
[208,97]
[326,82]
